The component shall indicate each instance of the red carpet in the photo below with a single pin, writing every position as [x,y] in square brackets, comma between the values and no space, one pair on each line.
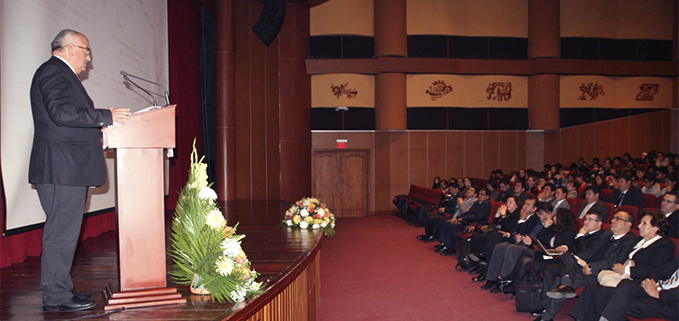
[375,269]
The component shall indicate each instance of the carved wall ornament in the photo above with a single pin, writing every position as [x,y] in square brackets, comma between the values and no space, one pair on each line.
[499,91]
[343,89]
[594,90]
[647,91]
[438,89]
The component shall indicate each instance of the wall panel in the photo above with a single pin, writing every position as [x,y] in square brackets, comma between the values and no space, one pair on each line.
[436,146]
[455,163]
[569,145]
[621,134]
[587,137]
[508,152]
[418,158]
[491,152]
[473,154]
[604,133]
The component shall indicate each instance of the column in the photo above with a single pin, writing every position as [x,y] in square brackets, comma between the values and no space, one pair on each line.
[225,127]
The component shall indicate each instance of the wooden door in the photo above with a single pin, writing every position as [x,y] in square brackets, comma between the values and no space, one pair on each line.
[340,180]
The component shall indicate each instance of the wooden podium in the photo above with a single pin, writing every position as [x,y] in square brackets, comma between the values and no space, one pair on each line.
[139,145]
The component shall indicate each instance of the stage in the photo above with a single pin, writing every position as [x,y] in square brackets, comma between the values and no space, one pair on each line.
[289,261]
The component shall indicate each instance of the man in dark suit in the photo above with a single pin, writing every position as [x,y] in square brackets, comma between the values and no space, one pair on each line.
[66,159]
[478,212]
[592,194]
[628,193]
[670,207]
[579,270]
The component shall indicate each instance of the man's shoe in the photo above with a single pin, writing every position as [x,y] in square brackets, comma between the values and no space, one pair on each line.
[541,319]
[479,278]
[441,249]
[489,285]
[562,292]
[448,251]
[497,288]
[82,296]
[538,313]
[439,245]
[475,269]
[426,238]
[74,305]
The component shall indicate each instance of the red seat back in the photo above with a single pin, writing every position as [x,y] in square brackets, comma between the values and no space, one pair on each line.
[575,205]
[611,209]
[606,194]
[649,200]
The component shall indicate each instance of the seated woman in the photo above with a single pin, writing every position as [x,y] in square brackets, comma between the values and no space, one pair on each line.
[652,252]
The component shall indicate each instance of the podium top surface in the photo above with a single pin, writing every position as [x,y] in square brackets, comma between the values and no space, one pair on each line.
[149,129]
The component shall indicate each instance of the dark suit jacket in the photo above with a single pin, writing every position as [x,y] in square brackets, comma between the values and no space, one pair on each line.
[673,220]
[67,139]
[586,242]
[663,273]
[526,227]
[599,206]
[633,197]
[477,213]
[649,259]
[617,253]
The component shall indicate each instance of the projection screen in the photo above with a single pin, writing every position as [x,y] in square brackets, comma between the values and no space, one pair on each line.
[129,35]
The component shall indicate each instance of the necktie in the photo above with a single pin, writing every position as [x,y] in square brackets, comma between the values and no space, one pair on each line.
[622,195]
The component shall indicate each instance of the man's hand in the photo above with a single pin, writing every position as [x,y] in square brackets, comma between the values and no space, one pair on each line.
[586,270]
[651,288]
[526,240]
[618,268]
[562,249]
[120,115]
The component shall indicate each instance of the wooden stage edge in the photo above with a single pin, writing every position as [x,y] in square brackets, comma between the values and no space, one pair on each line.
[288,260]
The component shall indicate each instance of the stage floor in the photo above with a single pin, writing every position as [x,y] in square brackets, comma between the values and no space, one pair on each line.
[273,249]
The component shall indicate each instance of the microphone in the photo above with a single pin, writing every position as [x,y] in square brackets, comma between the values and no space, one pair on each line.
[142,89]
[165,92]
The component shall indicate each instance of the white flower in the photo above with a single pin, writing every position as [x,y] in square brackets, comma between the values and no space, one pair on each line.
[215,219]
[304,212]
[231,247]
[315,226]
[320,212]
[225,266]
[324,224]
[199,175]
[332,224]
[288,222]
[207,193]
[303,224]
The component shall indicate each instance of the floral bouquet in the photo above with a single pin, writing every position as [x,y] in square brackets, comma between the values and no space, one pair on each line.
[206,252]
[310,213]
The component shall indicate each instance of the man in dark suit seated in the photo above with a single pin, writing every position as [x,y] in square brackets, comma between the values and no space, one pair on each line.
[520,190]
[588,236]
[577,271]
[477,213]
[628,193]
[655,297]
[66,159]
[592,194]
[670,207]
[433,220]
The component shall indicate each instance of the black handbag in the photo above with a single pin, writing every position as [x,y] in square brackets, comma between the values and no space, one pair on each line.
[529,296]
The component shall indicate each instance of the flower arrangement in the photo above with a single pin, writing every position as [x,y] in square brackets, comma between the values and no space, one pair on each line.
[310,213]
[206,252]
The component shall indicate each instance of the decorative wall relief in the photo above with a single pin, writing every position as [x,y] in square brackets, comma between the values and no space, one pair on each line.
[343,89]
[647,91]
[591,89]
[500,91]
[438,89]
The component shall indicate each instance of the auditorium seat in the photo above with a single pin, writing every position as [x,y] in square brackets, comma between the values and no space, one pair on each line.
[611,209]
[581,191]
[606,194]
[633,210]
[657,201]
[649,200]
[574,204]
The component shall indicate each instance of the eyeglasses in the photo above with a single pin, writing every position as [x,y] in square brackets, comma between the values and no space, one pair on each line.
[592,219]
[85,49]
[619,219]
[668,201]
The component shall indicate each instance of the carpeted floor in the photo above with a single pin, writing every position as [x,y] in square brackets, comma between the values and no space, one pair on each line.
[375,269]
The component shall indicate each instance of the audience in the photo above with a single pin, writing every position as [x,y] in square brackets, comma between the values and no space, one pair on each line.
[622,274]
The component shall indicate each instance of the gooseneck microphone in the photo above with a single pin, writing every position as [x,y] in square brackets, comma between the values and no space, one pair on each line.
[135,84]
[165,92]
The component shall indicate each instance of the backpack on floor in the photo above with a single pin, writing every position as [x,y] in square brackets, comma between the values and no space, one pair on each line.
[463,260]
[529,296]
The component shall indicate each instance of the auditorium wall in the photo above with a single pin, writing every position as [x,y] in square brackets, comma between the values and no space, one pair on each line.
[416,157]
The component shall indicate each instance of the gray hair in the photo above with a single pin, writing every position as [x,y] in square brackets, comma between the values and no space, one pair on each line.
[63,37]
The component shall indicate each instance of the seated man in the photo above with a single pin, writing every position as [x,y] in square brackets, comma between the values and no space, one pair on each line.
[592,193]
[506,255]
[656,297]
[477,213]
[587,237]
[627,193]
[670,207]
[613,247]
[560,193]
